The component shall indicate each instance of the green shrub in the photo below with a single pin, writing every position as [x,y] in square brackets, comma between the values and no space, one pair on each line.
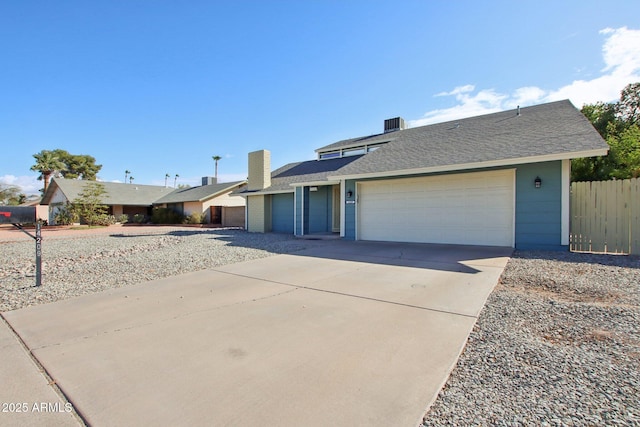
[122,218]
[166,216]
[139,218]
[104,220]
[195,218]
[67,215]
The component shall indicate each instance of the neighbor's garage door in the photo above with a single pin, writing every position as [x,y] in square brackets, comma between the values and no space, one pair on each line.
[471,208]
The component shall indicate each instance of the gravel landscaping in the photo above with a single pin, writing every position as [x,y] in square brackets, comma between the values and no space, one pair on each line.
[87,263]
[557,344]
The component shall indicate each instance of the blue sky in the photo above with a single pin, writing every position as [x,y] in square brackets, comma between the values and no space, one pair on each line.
[160,87]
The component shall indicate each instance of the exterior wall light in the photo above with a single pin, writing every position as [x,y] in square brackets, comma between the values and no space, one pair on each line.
[349,194]
[537,182]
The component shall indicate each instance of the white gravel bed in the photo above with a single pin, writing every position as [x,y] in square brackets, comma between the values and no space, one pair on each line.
[84,264]
[557,344]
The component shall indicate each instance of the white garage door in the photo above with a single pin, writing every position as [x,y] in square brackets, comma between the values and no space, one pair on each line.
[471,209]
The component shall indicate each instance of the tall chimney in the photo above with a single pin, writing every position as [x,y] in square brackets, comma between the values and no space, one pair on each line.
[259,170]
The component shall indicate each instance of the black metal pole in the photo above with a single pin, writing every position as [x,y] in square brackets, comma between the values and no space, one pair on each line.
[38,253]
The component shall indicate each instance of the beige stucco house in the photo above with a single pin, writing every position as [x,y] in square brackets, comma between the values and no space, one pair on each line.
[217,202]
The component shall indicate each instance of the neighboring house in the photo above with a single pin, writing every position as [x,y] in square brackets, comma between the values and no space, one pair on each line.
[218,202]
[500,179]
[42,211]
[132,199]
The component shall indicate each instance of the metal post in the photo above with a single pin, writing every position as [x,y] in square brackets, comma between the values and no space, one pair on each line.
[38,253]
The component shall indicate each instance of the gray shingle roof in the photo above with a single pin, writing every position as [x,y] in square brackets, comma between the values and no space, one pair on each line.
[198,194]
[117,193]
[309,171]
[549,131]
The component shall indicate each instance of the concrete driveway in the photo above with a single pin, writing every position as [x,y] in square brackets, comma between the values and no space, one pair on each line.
[344,333]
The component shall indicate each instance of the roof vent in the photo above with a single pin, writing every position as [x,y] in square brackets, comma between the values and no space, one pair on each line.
[390,125]
[209,180]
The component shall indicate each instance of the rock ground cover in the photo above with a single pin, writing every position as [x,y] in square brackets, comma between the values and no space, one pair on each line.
[92,263]
[557,343]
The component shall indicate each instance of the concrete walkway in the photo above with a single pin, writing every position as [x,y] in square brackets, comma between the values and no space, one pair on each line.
[344,334]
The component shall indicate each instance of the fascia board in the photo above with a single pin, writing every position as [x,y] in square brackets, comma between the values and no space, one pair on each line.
[264,193]
[307,184]
[478,165]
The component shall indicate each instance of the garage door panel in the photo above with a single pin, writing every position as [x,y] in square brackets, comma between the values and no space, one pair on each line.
[472,208]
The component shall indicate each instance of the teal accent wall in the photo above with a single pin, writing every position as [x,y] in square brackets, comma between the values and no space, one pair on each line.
[299,222]
[539,210]
[538,214]
[318,214]
[350,210]
[282,213]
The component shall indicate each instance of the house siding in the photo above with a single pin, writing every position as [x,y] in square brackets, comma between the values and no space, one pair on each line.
[221,200]
[190,207]
[299,205]
[319,214]
[282,213]
[538,210]
[350,210]
[233,216]
[259,213]
[58,200]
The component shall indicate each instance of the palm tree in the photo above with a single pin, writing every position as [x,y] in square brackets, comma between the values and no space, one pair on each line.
[130,179]
[215,159]
[175,180]
[47,163]
[166,177]
[126,175]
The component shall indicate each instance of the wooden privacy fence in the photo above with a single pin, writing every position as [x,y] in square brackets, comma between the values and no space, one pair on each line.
[605,216]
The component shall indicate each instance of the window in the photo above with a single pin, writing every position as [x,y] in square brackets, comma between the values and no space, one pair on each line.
[353,152]
[331,155]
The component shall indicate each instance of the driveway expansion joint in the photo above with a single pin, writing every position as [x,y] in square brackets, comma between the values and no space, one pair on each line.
[310,288]
[43,371]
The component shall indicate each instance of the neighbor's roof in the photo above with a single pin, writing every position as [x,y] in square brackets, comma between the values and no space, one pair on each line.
[116,193]
[283,179]
[546,132]
[199,194]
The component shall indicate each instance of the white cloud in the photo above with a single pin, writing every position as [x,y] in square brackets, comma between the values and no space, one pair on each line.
[485,101]
[28,184]
[458,91]
[621,55]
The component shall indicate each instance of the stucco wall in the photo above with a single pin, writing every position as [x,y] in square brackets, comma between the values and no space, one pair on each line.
[233,216]
[204,207]
[117,210]
[191,207]
[259,212]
